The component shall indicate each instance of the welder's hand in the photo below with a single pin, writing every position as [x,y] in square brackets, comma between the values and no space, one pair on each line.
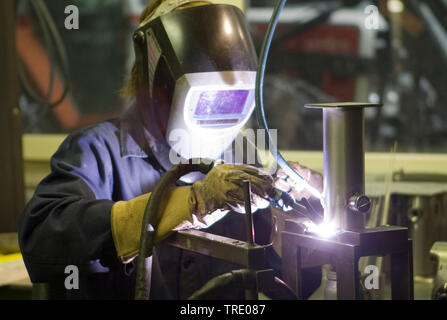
[197,206]
[284,183]
[222,188]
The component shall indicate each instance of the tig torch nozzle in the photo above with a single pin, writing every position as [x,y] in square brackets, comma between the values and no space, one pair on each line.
[285,202]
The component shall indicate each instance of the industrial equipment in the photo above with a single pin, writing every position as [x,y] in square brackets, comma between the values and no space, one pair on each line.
[345,205]
[302,246]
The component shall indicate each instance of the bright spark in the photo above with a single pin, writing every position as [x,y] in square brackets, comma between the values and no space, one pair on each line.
[324,230]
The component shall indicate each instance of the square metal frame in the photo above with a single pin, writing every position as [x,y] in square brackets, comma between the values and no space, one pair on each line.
[301,251]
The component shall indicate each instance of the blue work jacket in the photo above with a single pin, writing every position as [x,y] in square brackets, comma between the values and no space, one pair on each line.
[67,221]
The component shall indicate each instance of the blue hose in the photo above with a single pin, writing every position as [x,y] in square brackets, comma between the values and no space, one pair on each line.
[260,113]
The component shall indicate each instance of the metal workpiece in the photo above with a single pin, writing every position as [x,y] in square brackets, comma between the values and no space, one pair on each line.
[252,257]
[247,254]
[345,205]
[344,162]
[227,249]
[343,251]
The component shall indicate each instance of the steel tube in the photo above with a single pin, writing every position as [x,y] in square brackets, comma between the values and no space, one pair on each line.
[344,162]
[344,165]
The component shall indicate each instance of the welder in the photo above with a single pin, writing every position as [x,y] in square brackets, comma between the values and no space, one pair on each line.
[194,72]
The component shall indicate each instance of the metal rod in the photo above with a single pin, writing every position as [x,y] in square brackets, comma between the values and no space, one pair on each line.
[249,294]
[226,249]
[248,215]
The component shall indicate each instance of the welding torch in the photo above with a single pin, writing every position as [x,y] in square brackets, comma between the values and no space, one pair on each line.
[286,203]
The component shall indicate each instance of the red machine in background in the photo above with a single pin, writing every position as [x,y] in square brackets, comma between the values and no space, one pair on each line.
[61,98]
[321,52]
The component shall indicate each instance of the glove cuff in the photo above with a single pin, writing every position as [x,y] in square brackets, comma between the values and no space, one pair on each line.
[127,217]
[177,209]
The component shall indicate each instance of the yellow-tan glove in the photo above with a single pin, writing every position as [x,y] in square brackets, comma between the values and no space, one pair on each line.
[127,216]
[222,188]
[196,206]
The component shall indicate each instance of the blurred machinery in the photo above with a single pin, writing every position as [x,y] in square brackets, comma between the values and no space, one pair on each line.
[95,67]
[54,59]
[317,56]
[323,52]
[11,172]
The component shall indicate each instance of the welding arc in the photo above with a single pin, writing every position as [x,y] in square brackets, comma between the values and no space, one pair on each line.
[260,113]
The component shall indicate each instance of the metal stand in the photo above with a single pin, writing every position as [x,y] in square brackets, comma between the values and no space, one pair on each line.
[249,255]
[345,205]
[301,251]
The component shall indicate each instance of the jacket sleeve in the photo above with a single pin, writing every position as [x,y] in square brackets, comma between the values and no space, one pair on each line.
[67,221]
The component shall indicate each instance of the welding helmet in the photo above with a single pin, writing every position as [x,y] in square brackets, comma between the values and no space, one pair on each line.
[197,69]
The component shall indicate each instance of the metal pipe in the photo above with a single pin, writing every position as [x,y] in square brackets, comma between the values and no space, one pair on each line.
[344,164]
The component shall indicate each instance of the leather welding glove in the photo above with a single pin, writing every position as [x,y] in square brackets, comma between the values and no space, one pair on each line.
[195,206]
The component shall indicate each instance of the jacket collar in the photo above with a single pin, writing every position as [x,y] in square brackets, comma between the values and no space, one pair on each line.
[133,135]
[139,142]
